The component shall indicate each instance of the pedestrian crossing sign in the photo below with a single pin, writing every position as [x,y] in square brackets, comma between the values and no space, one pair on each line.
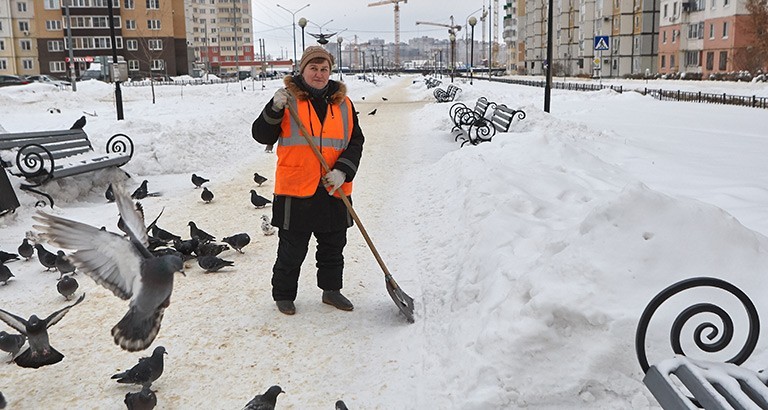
[601,43]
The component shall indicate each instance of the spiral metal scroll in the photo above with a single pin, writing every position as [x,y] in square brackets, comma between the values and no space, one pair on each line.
[35,162]
[480,131]
[714,344]
[520,115]
[120,143]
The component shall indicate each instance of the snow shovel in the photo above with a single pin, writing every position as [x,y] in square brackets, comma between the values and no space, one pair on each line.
[403,301]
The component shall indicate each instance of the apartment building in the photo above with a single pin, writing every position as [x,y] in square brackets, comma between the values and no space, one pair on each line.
[219,35]
[703,37]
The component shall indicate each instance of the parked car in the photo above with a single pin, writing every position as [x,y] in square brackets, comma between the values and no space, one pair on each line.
[47,79]
[92,75]
[6,80]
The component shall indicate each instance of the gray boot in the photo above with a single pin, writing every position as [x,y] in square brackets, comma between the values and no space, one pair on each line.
[337,300]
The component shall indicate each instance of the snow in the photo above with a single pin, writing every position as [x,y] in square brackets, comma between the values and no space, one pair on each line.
[530,258]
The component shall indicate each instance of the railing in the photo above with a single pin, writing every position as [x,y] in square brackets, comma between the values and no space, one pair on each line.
[562,86]
[726,99]
[197,81]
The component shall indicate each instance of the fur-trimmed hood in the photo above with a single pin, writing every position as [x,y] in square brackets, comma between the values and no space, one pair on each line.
[338,90]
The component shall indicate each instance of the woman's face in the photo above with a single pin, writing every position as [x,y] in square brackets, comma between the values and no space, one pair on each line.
[316,75]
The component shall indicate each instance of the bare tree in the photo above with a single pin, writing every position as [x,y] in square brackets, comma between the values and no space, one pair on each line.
[151,44]
[756,56]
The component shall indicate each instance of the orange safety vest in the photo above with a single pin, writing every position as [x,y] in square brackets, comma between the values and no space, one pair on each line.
[298,169]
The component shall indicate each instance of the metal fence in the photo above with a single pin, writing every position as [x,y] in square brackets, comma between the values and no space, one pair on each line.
[700,97]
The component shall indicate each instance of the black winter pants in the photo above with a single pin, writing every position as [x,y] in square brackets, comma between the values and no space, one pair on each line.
[291,252]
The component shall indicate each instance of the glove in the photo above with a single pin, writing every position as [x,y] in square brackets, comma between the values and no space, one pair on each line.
[333,180]
[280,99]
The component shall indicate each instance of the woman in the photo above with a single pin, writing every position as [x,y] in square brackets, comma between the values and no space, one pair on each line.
[306,200]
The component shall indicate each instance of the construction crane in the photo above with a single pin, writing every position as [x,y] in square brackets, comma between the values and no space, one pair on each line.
[452,28]
[397,24]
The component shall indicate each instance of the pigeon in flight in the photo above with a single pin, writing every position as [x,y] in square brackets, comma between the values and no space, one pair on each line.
[7,256]
[5,274]
[46,258]
[265,401]
[238,241]
[146,371]
[143,400]
[67,285]
[25,249]
[63,265]
[79,124]
[206,195]
[40,352]
[211,263]
[109,194]
[373,112]
[266,226]
[198,180]
[258,178]
[259,201]
[201,235]
[125,267]
[11,343]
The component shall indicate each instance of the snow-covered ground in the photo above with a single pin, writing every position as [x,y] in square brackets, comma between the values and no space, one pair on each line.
[530,258]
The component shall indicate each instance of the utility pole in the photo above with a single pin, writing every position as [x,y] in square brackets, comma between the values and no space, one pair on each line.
[118,93]
[72,75]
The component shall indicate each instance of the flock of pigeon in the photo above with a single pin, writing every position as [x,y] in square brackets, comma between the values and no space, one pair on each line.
[138,265]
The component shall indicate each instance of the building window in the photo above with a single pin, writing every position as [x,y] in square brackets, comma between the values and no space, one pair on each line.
[711,31]
[674,36]
[663,61]
[53,25]
[157,65]
[665,10]
[153,24]
[664,36]
[55,45]
[51,4]
[130,5]
[725,29]
[57,67]
[153,4]
[672,61]
[2,45]
[132,45]
[692,58]
[130,24]
[3,64]
[723,60]
[155,44]
[26,45]
[22,7]
[24,27]
[27,64]
[726,3]
[710,60]
[133,65]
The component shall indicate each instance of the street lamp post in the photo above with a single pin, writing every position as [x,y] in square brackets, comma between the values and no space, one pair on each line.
[302,24]
[339,40]
[452,37]
[472,22]
[293,16]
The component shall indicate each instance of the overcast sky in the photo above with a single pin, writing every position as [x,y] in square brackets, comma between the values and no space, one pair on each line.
[274,24]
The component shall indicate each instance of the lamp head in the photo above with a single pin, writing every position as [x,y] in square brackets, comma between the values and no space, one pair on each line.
[472,21]
[302,22]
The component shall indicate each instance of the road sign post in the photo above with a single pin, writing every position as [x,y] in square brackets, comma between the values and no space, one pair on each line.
[602,43]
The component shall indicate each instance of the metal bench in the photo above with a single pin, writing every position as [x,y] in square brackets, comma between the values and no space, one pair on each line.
[680,382]
[463,116]
[432,82]
[483,130]
[43,156]
[447,95]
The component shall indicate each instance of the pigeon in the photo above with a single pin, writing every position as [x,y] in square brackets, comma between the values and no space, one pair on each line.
[67,285]
[384,98]
[40,352]
[266,226]
[163,235]
[186,247]
[125,267]
[79,124]
[210,249]
[238,241]
[5,274]
[143,400]
[3,403]
[7,256]
[363,98]
[146,371]
[25,249]
[258,178]
[259,201]
[373,112]
[201,235]
[340,405]
[141,192]
[63,264]
[265,401]
[211,263]
[109,194]
[11,343]
[198,180]
[46,258]
[206,195]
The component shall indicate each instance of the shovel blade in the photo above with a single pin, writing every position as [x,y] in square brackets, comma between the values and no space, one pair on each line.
[403,301]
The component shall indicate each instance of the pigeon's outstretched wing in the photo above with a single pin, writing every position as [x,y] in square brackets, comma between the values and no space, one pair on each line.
[133,220]
[106,257]
[14,321]
[59,314]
